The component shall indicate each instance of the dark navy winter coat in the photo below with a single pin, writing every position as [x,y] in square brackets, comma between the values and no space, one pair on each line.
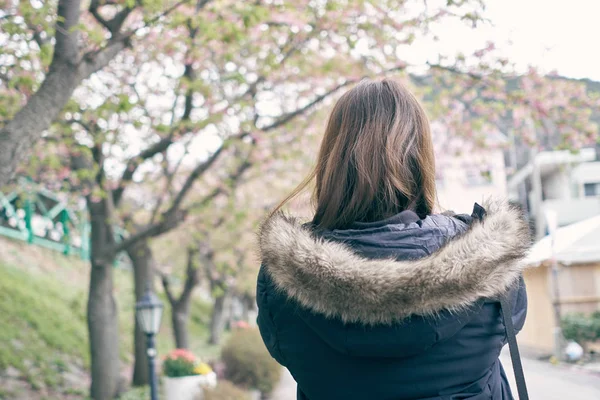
[393,310]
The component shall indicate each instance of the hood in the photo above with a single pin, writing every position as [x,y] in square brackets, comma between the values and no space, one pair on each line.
[403,236]
[332,279]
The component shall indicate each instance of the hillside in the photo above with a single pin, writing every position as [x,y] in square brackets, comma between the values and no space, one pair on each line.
[43,329]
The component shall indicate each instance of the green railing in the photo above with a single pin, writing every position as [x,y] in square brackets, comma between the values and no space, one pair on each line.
[35,215]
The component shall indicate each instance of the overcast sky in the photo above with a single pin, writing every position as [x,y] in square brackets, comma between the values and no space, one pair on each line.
[551,34]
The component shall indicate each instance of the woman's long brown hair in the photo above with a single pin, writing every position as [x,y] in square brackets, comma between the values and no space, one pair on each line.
[376,158]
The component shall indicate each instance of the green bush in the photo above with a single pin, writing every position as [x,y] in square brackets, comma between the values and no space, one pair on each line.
[248,363]
[226,390]
[581,328]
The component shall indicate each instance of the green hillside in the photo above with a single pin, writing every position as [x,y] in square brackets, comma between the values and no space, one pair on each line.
[43,329]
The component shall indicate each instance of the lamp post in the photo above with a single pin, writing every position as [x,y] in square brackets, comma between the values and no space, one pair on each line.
[552,221]
[149,312]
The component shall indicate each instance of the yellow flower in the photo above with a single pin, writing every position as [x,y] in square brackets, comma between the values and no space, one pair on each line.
[202,369]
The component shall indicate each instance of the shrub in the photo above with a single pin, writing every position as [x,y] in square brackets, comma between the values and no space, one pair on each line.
[226,390]
[581,328]
[248,363]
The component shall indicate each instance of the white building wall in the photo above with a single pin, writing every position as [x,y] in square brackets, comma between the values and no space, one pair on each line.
[458,192]
[585,173]
[557,184]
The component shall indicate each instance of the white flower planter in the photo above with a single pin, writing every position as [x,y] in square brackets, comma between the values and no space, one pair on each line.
[188,387]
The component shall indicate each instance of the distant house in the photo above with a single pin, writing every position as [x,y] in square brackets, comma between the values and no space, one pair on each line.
[470,175]
[577,255]
[560,181]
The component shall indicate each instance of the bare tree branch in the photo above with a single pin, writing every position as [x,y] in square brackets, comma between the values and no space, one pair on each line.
[135,162]
[192,278]
[169,175]
[175,215]
[93,9]
[99,58]
[234,179]
[164,143]
[455,71]
[282,120]
[116,22]
[166,285]
[95,61]
[195,174]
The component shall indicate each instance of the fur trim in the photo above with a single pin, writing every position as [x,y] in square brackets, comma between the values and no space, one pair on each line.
[331,279]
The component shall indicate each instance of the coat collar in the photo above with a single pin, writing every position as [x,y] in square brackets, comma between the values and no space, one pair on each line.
[331,279]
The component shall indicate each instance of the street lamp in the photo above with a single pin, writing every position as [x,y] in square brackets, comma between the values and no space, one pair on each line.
[552,221]
[149,312]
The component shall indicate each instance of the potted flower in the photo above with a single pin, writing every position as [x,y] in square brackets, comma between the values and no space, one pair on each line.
[185,375]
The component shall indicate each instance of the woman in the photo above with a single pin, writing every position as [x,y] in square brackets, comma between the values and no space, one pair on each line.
[378,297]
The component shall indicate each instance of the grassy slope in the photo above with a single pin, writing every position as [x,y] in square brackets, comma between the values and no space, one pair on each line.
[43,330]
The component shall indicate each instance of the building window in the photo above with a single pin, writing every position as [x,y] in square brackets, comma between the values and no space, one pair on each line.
[478,177]
[591,189]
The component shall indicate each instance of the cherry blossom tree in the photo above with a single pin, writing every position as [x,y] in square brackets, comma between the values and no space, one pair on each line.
[155,112]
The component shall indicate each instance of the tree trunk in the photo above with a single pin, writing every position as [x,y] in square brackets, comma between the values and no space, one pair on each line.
[248,305]
[180,307]
[143,272]
[65,73]
[180,324]
[218,319]
[102,311]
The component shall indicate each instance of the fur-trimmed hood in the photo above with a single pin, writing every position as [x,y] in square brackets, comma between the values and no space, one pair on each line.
[332,279]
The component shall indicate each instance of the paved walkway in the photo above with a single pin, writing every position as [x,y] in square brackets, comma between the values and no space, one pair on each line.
[286,390]
[548,382]
[545,382]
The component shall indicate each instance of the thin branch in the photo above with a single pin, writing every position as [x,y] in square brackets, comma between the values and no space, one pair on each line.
[163,144]
[191,277]
[195,174]
[135,162]
[206,199]
[115,23]
[8,16]
[79,122]
[282,120]
[291,115]
[147,232]
[96,60]
[159,16]
[167,287]
[93,9]
[99,58]
[170,175]
[233,178]
[455,71]
[37,36]
[174,215]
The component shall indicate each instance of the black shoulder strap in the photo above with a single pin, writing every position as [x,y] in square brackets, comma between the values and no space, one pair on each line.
[506,308]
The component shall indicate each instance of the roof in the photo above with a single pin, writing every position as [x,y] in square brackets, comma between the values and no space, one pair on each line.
[577,243]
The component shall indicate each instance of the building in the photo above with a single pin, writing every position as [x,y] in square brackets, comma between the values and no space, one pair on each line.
[576,251]
[563,273]
[560,181]
[471,175]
